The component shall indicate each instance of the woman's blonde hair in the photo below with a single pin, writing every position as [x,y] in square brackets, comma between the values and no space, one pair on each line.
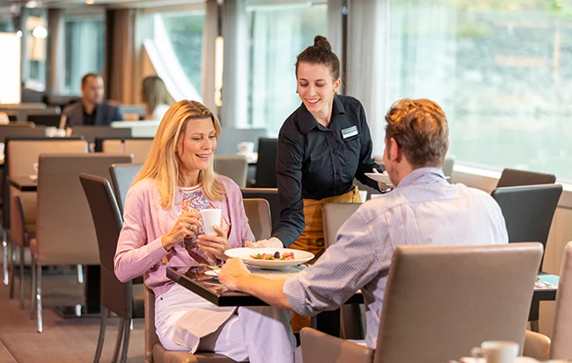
[155,93]
[162,164]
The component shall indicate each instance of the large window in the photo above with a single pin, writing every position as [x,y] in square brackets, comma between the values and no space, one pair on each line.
[179,37]
[501,71]
[36,47]
[277,35]
[85,49]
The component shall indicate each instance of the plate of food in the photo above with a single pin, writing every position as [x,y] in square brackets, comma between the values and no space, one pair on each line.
[270,257]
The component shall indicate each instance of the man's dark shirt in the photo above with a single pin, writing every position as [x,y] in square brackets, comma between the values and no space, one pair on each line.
[89,120]
[316,162]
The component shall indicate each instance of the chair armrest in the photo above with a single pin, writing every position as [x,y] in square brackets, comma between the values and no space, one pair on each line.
[536,346]
[324,348]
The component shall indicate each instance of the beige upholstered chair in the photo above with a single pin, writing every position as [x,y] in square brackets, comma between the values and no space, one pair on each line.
[514,178]
[138,147]
[440,302]
[64,228]
[561,347]
[156,353]
[232,166]
[258,213]
[352,325]
[22,154]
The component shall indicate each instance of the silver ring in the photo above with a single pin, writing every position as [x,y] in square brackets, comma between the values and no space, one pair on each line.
[191,227]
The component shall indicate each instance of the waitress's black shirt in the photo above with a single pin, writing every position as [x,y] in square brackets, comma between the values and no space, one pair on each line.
[316,162]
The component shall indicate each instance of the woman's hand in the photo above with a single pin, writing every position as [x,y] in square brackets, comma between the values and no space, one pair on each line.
[272,242]
[215,245]
[185,226]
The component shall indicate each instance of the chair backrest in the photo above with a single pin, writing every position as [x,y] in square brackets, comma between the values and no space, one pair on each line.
[17,131]
[232,166]
[513,178]
[21,154]
[64,227]
[266,164]
[334,215]
[151,337]
[270,194]
[90,133]
[560,348]
[122,176]
[448,166]
[445,300]
[230,138]
[138,147]
[258,213]
[528,211]
[52,120]
[115,295]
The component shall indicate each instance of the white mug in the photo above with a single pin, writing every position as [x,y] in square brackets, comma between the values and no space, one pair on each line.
[245,148]
[210,217]
[496,351]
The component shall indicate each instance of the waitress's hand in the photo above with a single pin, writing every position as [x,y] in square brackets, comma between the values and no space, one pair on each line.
[271,242]
[185,226]
[382,186]
[215,245]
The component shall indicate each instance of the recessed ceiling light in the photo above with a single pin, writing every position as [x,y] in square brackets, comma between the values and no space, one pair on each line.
[19,33]
[31,4]
[90,2]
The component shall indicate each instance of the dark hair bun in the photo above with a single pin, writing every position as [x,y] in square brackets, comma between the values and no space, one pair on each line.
[322,42]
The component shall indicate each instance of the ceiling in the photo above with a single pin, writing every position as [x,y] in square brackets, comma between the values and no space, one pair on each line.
[82,3]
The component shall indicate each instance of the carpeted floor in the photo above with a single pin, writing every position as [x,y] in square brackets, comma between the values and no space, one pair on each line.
[63,340]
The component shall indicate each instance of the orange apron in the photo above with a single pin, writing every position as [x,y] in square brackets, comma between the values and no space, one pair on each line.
[312,239]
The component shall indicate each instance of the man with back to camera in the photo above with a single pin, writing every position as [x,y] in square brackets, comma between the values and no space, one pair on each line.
[423,209]
[92,109]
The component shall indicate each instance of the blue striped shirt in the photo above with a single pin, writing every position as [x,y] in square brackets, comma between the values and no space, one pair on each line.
[424,209]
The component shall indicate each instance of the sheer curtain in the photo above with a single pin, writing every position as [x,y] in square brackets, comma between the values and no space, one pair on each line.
[368,62]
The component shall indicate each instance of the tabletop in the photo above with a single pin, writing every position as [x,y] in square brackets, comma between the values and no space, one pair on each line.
[23,183]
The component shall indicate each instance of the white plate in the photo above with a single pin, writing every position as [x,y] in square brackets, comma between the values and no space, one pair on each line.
[378,177]
[33,177]
[212,272]
[245,252]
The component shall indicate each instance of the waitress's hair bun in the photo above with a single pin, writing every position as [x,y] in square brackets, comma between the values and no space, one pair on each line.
[320,53]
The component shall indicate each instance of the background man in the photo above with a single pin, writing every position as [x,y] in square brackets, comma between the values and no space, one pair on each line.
[423,209]
[92,109]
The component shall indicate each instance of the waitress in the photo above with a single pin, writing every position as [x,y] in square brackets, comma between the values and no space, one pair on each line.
[322,147]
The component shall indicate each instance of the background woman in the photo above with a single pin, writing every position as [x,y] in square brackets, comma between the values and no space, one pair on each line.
[156,97]
[322,147]
[162,228]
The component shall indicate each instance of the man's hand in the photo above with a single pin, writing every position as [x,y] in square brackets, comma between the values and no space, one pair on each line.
[232,272]
[272,242]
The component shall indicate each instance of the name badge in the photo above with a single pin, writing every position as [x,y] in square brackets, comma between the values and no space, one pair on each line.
[349,132]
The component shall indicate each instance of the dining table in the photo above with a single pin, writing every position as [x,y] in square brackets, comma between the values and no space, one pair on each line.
[92,282]
[202,281]
[198,280]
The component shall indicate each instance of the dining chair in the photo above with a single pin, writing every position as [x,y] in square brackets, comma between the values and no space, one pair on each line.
[232,166]
[270,194]
[20,209]
[137,146]
[352,324]
[230,138]
[116,296]
[441,301]
[266,165]
[122,176]
[514,177]
[258,214]
[90,133]
[559,347]
[156,353]
[64,227]
[528,212]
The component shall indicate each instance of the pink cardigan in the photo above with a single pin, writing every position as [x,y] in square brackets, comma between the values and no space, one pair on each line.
[139,249]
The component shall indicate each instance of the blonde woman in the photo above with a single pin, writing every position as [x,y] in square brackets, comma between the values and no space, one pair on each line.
[162,228]
[156,97]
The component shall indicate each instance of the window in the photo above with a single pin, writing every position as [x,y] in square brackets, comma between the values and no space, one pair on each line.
[500,71]
[179,39]
[278,33]
[85,49]
[36,48]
